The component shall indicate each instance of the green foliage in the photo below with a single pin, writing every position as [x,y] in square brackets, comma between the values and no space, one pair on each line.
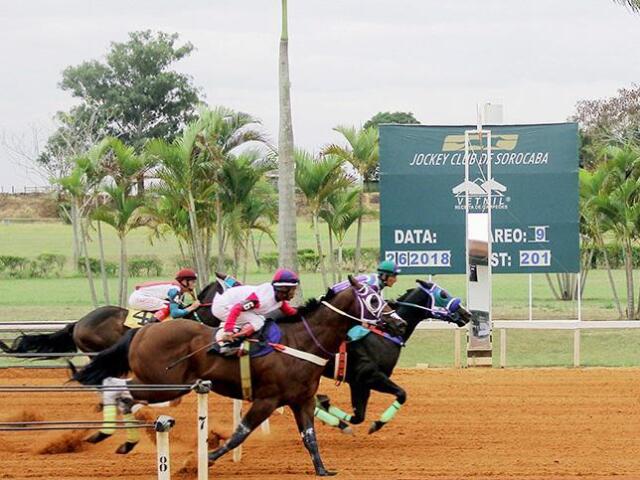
[615,255]
[390,117]
[145,266]
[213,262]
[14,266]
[111,268]
[369,258]
[135,95]
[47,265]
[308,260]
[269,262]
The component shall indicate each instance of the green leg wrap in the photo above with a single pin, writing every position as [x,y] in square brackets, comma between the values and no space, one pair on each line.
[109,413]
[336,412]
[390,412]
[133,434]
[326,417]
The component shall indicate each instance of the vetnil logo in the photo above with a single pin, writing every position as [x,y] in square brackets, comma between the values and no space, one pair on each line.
[478,192]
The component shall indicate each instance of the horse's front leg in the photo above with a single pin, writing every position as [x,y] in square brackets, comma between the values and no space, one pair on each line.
[382,383]
[359,400]
[304,419]
[260,410]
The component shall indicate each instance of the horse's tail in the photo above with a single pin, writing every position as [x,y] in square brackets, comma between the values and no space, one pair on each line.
[112,362]
[56,342]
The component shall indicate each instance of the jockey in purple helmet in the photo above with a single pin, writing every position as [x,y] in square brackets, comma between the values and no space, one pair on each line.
[387,276]
[242,309]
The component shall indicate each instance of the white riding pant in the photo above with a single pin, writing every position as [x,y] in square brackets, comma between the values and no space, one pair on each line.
[140,301]
[111,396]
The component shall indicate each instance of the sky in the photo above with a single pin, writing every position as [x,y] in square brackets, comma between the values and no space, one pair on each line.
[349,59]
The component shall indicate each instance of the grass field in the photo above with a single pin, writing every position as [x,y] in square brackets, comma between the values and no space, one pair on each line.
[68,298]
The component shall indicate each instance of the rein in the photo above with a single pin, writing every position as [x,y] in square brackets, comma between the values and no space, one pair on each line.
[315,340]
[345,314]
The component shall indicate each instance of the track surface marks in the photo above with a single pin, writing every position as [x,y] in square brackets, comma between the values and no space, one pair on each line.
[457,424]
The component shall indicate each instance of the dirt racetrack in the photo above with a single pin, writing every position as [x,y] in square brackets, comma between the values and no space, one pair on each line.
[457,424]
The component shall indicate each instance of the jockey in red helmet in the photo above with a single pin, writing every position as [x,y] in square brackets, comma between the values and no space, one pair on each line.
[166,298]
[242,309]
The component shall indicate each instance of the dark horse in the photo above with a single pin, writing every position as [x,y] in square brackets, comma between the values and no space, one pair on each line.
[101,328]
[277,379]
[371,360]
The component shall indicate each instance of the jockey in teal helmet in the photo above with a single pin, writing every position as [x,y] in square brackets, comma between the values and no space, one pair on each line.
[387,276]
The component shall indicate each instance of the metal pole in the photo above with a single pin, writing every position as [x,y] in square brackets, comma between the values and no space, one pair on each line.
[576,347]
[202,389]
[162,426]
[457,362]
[579,297]
[237,416]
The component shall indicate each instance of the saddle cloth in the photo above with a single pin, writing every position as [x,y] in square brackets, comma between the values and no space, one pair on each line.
[260,347]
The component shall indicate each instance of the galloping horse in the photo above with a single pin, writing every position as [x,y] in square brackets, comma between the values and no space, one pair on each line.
[102,327]
[371,360]
[278,378]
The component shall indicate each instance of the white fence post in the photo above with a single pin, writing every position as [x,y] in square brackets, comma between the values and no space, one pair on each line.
[576,347]
[162,426]
[503,347]
[237,417]
[202,389]
[457,354]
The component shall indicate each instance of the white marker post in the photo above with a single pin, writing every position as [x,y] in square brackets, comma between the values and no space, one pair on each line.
[237,417]
[202,389]
[163,426]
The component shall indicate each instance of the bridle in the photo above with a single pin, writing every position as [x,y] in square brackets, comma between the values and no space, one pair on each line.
[366,297]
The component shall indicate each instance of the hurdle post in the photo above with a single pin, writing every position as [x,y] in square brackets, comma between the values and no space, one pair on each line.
[237,417]
[202,389]
[163,426]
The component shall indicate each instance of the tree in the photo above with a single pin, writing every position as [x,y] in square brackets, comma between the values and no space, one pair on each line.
[287,235]
[340,212]
[248,201]
[362,153]
[224,132]
[611,120]
[123,166]
[318,179]
[185,171]
[634,5]
[390,117]
[618,205]
[135,95]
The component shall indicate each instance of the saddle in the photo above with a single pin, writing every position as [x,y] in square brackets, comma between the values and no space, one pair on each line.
[257,345]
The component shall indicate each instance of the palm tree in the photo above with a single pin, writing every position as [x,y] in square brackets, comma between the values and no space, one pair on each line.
[362,153]
[341,211]
[123,167]
[287,236]
[318,179]
[245,197]
[590,222]
[224,132]
[185,172]
[619,206]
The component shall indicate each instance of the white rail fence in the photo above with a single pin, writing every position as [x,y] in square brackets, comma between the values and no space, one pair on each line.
[499,325]
[503,325]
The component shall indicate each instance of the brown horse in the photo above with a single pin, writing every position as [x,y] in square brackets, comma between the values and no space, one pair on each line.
[277,379]
[101,328]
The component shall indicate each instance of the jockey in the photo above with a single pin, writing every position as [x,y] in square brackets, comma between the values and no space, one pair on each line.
[387,276]
[166,298]
[242,308]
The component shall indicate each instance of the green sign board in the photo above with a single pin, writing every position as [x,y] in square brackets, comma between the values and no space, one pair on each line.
[534,190]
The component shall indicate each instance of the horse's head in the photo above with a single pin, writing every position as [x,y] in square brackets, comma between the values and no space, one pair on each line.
[429,300]
[369,306]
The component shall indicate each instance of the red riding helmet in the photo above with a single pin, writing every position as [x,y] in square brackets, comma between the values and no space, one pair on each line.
[285,278]
[186,274]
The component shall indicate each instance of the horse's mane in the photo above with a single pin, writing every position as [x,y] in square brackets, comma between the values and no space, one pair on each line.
[203,293]
[308,308]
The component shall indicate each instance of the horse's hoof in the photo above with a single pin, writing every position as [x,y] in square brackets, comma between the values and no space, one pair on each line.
[97,437]
[326,473]
[375,426]
[126,447]
[345,428]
